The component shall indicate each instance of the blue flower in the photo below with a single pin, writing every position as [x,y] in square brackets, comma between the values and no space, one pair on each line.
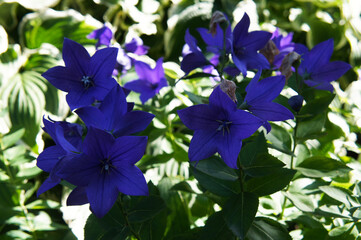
[113,115]
[150,80]
[316,69]
[68,140]
[245,46]
[218,127]
[136,46]
[105,168]
[84,78]
[285,46]
[260,96]
[104,36]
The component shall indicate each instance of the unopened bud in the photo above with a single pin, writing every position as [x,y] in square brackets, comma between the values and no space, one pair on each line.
[296,102]
[287,62]
[270,51]
[217,18]
[229,87]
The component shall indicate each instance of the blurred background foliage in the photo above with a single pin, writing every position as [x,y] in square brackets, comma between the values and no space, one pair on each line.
[31,36]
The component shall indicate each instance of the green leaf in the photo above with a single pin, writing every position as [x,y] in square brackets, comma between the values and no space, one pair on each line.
[239,212]
[216,228]
[95,228]
[345,232]
[267,229]
[183,186]
[25,97]
[301,201]
[250,150]
[331,211]
[276,180]
[340,194]
[312,128]
[198,75]
[319,166]
[216,185]
[216,167]
[35,29]
[318,105]
[202,206]
[43,204]
[178,219]
[262,165]
[281,139]
[146,209]
[11,138]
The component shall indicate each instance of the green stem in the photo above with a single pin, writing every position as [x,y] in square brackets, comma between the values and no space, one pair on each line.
[125,215]
[7,164]
[294,142]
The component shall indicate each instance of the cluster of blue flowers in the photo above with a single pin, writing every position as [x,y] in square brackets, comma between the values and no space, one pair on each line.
[102,163]
[220,126]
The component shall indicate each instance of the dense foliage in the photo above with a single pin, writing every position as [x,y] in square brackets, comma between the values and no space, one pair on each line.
[180,119]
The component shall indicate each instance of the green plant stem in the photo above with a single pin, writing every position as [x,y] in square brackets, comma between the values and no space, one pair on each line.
[125,215]
[25,212]
[291,163]
[7,164]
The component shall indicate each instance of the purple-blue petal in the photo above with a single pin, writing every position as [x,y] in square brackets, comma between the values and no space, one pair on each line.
[271,111]
[229,147]
[76,57]
[132,122]
[48,184]
[77,197]
[240,32]
[330,71]
[127,150]
[203,145]
[199,117]
[102,64]
[221,101]
[102,194]
[131,181]
[48,158]
[92,116]
[63,78]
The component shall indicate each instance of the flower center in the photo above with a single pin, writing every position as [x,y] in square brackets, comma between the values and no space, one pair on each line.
[240,50]
[87,82]
[223,126]
[106,166]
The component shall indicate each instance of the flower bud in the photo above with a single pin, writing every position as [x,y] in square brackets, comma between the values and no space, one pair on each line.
[270,51]
[296,102]
[229,87]
[218,18]
[287,62]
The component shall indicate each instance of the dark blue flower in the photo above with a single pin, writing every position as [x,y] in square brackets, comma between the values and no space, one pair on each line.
[218,127]
[316,69]
[105,168]
[217,43]
[113,115]
[136,46]
[285,45]
[260,96]
[68,140]
[84,78]
[245,46]
[192,55]
[150,80]
[104,36]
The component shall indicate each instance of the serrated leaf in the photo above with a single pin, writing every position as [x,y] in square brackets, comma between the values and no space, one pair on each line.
[262,165]
[216,228]
[276,180]
[319,166]
[216,167]
[301,201]
[267,229]
[340,194]
[215,185]
[250,150]
[239,213]
[280,139]
[146,209]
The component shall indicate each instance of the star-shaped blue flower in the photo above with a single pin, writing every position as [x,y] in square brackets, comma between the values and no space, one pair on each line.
[316,69]
[84,78]
[68,140]
[260,96]
[105,168]
[245,46]
[113,115]
[150,80]
[218,127]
